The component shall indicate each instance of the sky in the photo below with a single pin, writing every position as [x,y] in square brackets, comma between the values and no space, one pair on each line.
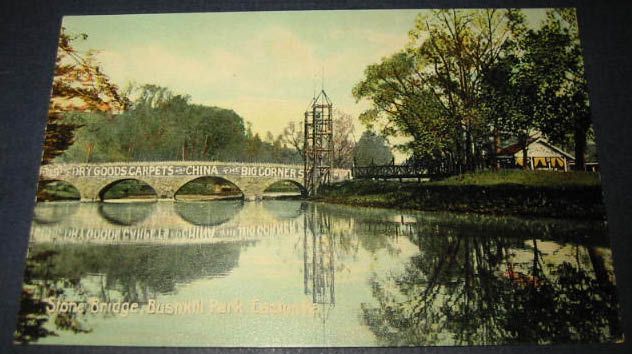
[265,66]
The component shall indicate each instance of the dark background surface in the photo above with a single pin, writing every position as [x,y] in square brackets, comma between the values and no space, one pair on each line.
[28,41]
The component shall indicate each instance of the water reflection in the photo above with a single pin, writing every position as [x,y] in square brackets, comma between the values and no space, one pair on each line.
[126,213]
[472,286]
[319,260]
[136,273]
[53,213]
[199,213]
[375,277]
[285,209]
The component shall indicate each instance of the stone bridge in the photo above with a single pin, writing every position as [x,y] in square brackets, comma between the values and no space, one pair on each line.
[167,177]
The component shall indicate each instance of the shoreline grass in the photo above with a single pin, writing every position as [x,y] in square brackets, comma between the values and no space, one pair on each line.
[524,178]
[529,193]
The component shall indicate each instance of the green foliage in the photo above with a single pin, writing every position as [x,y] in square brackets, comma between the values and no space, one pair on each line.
[78,86]
[430,91]
[163,126]
[470,78]
[56,190]
[563,106]
[127,189]
[539,84]
[531,193]
[372,149]
[408,105]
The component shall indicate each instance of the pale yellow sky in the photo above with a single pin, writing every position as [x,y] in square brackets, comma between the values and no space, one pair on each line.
[264,65]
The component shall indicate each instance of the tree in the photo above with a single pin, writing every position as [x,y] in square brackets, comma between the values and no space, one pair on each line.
[468,77]
[554,54]
[294,136]
[431,91]
[78,86]
[510,91]
[539,84]
[162,125]
[404,106]
[343,138]
[372,149]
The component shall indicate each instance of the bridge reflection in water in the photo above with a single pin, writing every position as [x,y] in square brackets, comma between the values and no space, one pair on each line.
[126,214]
[373,277]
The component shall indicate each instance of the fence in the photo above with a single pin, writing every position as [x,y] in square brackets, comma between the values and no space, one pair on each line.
[433,169]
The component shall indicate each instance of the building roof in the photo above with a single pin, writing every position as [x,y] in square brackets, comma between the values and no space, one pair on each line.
[515,148]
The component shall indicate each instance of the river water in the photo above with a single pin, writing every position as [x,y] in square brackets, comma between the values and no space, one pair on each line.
[295,273]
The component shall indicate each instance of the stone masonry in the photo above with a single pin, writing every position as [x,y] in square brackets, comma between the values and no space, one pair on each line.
[167,177]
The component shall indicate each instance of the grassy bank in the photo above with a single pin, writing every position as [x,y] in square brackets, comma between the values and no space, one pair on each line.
[533,193]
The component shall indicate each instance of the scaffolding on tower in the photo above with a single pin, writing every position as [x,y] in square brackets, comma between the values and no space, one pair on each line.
[318,143]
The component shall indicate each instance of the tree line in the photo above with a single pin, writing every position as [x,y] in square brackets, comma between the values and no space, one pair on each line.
[369,149]
[91,119]
[470,81]
[161,125]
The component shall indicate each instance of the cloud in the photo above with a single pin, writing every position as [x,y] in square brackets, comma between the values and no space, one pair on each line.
[271,62]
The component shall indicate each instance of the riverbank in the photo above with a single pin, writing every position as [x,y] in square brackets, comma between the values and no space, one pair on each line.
[530,193]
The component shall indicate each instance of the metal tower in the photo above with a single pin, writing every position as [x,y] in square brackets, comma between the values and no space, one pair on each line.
[318,143]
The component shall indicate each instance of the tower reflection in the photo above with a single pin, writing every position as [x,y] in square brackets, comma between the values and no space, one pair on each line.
[319,260]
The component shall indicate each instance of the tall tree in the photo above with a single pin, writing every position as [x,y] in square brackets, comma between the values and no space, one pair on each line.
[510,91]
[430,92]
[294,136]
[555,56]
[79,85]
[343,140]
[372,149]
[404,106]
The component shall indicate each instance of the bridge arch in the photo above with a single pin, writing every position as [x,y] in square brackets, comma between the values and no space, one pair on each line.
[213,187]
[285,187]
[120,188]
[57,190]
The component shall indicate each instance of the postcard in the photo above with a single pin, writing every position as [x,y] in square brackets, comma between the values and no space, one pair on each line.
[348,178]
